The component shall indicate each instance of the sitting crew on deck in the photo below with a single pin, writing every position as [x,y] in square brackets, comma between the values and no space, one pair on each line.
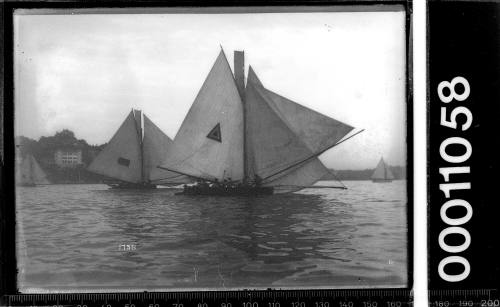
[258,181]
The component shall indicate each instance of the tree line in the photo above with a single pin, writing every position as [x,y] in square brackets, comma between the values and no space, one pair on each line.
[44,149]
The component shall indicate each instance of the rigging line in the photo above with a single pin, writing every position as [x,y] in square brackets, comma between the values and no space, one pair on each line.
[333,173]
[313,186]
[297,162]
[312,156]
[185,174]
[171,177]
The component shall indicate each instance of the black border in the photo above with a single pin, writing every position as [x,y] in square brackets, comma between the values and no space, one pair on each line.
[470,37]
[8,265]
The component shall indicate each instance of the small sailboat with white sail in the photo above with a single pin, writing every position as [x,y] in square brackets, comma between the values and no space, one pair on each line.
[133,152]
[29,173]
[382,172]
[248,140]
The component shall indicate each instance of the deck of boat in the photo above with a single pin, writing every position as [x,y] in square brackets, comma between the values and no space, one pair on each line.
[226,190]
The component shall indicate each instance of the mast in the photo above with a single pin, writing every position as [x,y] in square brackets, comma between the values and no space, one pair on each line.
[142,147]
[31,169]
[138,126]
[239,76]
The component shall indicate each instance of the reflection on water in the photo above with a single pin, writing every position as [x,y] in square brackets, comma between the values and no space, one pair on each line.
[88,237]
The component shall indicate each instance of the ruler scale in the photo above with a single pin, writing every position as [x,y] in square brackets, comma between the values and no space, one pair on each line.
[464,298]
[246,298]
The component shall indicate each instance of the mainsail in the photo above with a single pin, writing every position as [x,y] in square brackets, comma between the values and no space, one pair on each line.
[134,152]
[29,172]
[209,143]
[251,135]
[382,171]
[121,158]
[155,143]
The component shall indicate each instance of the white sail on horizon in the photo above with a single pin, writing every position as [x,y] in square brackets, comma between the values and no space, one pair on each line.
[382,171]
[29,172]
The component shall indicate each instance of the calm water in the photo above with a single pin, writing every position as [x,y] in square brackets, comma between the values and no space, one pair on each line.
[69,238]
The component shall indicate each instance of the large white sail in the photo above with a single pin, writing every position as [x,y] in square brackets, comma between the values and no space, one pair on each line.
[155,144]
[307,126]
[318,131]
[382,172]
[209,143]
[272,146]
[121,157]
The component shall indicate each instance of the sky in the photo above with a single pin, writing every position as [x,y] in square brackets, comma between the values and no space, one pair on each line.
[85,72]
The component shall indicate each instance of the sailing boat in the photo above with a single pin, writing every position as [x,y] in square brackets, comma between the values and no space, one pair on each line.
[29,173]
[382,172]
[247,140]
[131,155]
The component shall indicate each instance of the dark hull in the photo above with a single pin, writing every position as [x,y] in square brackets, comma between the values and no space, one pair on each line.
[381,180]
[30,185]
[132,186]
[227,191]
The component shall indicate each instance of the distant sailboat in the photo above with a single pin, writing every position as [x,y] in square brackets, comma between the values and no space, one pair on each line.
[249,140]
[382,172]
[131,155]
[29,173]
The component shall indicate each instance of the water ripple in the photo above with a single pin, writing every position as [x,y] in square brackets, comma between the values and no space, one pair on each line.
[72,236]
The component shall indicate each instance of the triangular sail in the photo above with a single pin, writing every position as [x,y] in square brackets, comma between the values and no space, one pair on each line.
[318,131]
[252,77]
[298,177]
[29,172]
[24,173]
[38,174]
[121,157]
[19,170]
[314,130]
[272,146]
[382,171]
[217,103]
[155,144]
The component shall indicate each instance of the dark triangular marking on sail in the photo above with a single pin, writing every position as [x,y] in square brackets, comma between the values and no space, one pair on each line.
[215,134]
